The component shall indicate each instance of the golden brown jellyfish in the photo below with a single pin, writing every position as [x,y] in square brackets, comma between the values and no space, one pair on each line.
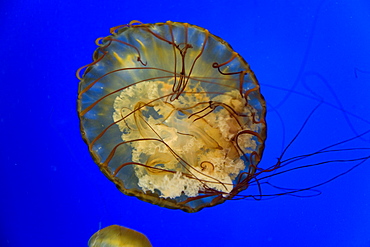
[118,236]
[172,115]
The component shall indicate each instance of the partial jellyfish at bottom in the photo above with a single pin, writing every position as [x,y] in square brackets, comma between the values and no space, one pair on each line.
[118,236]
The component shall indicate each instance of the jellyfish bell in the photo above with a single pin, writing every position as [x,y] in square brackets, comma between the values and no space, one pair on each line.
[172,115]
[118,236]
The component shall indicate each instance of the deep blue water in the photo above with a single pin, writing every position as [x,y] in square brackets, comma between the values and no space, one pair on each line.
[52,193]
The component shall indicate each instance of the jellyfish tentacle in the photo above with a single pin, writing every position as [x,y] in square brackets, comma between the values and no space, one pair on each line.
[78,72]
[132,46]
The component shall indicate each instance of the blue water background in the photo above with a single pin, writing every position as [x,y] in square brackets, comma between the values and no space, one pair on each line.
[52,193]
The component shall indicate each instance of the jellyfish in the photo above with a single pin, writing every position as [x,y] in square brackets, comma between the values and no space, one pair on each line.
[118,236]
[172,115]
